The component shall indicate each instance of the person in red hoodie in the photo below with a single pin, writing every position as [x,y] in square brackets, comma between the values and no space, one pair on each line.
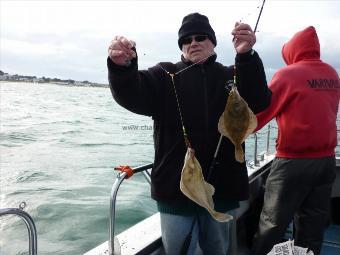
[305,102]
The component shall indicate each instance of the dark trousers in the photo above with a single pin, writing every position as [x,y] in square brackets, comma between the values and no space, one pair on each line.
[299,189]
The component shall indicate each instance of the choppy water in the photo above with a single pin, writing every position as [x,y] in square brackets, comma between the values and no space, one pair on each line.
[58,149]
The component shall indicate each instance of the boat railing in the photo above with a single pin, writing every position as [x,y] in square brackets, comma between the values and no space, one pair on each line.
[113,243]
[114,248]
[32,232]
[257,157]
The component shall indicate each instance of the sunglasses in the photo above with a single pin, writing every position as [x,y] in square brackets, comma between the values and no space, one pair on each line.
[198,38]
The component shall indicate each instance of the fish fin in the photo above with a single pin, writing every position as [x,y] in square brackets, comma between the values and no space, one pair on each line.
[239,154]
[252,122]
[197,164]
[221,127]
[221,217]
[210,190]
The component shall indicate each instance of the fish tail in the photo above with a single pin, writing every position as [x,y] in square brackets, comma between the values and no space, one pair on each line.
[239,154]
[222,217]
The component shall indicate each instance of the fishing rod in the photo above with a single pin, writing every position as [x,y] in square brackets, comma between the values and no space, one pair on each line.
[187,240]
[202,60]
[258,18]
[214,161]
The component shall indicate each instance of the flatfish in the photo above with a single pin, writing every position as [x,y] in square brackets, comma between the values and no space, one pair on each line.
[237,122]
[194,186]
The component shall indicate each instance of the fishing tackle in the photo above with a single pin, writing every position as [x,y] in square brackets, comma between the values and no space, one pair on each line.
[214,161]
[186,243]
[172,75]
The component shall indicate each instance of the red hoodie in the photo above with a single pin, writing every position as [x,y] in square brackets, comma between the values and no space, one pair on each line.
[305,100]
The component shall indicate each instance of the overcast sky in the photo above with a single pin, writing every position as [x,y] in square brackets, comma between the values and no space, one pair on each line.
[69,39]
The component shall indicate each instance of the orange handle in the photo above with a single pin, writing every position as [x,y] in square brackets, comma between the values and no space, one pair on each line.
[125,169]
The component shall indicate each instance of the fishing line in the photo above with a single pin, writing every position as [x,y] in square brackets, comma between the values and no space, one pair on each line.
[214,161]
[254,10]
[172,75]
[186,138]
[187,240]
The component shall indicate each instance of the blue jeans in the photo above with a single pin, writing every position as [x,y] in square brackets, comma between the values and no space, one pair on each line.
[209,235]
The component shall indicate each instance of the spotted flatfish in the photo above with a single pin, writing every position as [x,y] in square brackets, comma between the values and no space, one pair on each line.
[237,122]
[194,186]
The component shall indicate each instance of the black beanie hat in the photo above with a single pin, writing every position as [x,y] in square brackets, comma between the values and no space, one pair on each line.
[195,23]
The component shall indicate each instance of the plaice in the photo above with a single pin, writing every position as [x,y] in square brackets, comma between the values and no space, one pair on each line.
[237,122]
[194,186]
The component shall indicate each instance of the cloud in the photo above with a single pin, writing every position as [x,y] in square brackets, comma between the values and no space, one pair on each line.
[69,39]
[68,56]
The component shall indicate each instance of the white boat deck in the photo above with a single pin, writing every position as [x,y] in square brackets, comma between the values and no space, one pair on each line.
[134,239]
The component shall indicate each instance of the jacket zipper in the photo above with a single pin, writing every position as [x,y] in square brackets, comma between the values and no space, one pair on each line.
[206,108]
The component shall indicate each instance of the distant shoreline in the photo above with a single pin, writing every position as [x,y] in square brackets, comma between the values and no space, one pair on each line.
[90,85]
[46,80]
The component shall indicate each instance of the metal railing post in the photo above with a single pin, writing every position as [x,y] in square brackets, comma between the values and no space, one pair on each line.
[268,138]
[114,190]
[32,232]
[256,162]
[114,246]
[147,176]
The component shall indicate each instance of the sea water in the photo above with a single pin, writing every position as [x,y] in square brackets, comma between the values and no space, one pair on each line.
[59,146]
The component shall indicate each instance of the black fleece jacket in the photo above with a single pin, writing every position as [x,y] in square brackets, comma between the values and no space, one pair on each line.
[202,97]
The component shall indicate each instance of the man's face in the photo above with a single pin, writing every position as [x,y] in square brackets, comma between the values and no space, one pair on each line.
[197,47]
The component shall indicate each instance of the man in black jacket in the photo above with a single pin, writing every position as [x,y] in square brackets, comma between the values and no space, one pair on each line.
[195,99]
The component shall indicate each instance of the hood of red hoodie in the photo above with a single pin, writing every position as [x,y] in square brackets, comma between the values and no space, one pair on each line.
[304,45]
